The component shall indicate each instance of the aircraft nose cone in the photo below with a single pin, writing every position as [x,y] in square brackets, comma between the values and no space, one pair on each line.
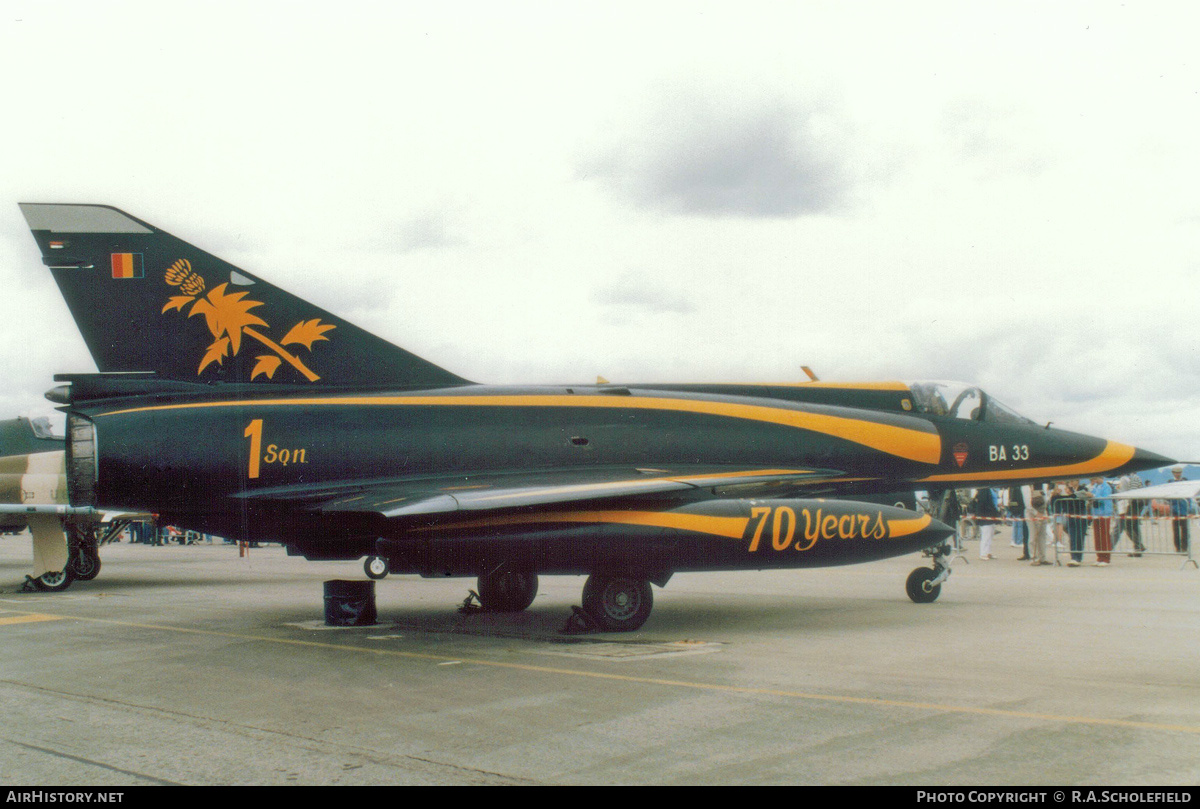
[925,531]
[936,533]
[938,529]
[1144,459]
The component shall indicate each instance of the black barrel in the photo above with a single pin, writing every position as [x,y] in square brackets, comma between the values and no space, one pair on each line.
[349,603]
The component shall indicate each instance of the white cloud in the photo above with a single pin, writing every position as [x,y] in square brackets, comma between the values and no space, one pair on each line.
[728,156]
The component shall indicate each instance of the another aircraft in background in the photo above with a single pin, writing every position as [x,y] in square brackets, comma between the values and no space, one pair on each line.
[33,495]
[231,407]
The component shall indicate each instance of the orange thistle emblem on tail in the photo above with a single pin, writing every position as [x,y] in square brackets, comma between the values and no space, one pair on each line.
[229,318]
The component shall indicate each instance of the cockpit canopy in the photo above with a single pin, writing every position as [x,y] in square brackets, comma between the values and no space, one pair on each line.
[961,401]
[42,428]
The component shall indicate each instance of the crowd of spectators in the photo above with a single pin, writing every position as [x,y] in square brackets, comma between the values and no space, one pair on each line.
[1052,519]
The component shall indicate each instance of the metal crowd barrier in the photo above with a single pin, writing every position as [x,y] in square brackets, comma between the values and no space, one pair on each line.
[1147,527]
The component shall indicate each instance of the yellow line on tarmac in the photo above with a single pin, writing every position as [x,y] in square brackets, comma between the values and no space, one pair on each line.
[29,618]
[684,684]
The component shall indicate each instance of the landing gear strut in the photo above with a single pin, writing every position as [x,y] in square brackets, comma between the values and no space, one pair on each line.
[83,554]
[924,584]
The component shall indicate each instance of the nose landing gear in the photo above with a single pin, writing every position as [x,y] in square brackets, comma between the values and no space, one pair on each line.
[376,567]
[924,584]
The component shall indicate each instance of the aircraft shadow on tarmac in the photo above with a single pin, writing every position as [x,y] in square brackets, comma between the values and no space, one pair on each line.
[687,617]
[686,614]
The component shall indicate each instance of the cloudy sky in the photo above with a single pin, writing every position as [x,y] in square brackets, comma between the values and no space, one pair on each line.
[527,192]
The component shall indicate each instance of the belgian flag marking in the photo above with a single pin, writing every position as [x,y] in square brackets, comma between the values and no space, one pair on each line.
[127,265]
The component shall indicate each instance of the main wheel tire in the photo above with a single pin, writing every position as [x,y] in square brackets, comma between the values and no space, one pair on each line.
[507,590]
[54,581]
[376,567]
[85,566]
[919,588]
[618,603]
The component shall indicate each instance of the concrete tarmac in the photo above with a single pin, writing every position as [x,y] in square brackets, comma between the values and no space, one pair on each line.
[190,665]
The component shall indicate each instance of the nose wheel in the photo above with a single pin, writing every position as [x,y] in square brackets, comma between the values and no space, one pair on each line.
[85,564]
[924,584]
[376,567]
[921,587]
[83,555]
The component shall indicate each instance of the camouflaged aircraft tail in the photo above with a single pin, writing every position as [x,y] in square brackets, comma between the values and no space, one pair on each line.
[23,436]
[147,301]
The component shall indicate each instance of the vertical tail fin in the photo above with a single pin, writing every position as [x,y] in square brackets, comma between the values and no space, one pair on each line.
[147,301]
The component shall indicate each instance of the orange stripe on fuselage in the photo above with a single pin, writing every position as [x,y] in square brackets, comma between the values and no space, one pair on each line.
[1113,456]
[903,528]
[923,446]
[730,527]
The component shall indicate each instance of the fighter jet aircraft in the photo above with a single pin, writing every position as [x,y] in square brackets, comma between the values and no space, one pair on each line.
[231,407]
[33,495]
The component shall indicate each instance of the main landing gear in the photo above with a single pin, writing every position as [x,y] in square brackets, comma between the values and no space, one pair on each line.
[617,603]
[83,560]
[54,581]
[924,584]
[506,589]
[611,603]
